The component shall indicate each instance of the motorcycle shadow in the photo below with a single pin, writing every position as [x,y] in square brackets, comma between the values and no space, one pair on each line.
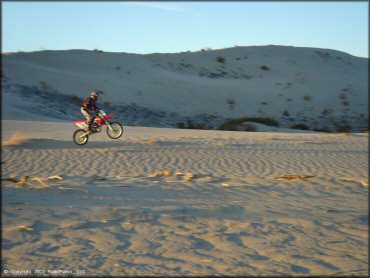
[64,144]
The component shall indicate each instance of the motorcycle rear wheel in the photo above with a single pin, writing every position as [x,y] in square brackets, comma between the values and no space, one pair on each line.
[78,137]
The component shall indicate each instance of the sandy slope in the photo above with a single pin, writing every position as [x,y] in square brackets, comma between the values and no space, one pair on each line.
[122,210]
[308,83]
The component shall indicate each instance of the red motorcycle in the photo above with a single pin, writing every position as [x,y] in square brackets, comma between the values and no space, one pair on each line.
[81,136]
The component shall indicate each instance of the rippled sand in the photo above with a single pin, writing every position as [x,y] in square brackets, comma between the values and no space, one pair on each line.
[185,202]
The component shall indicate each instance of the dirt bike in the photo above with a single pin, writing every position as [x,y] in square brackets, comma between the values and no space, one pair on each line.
[81,136]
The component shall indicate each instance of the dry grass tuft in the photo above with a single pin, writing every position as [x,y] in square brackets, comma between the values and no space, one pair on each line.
[160,174]
[26,180]
[189,176]
[293,177]
[25,228]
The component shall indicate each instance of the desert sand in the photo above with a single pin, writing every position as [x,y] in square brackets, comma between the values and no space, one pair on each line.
[171,202]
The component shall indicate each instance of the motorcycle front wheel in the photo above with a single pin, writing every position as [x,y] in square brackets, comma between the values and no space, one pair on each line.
[80,137]
[115,131]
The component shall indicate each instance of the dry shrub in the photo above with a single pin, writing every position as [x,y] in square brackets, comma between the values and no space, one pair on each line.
[221,59]
[294,177]
[232,124]
[160,174]
[300,126]
[246,126]
[344,128]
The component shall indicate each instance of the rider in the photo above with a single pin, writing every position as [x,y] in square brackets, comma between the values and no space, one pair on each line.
[89,108]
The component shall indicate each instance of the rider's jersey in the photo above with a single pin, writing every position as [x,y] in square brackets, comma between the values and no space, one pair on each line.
[90,104]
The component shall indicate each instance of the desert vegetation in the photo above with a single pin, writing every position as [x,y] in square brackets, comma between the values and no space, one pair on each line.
[326,111]
[231,103]
[247,127]
[75,100]
[300,126]
[190,125]
[322,55]
[233,124]
[343,128]
[286,113]
[307,97]
[344,99]
[45,86]
[321,129]
[220,59]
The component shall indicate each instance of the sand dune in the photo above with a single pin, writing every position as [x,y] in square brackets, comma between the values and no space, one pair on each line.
[321,88]
[185,202]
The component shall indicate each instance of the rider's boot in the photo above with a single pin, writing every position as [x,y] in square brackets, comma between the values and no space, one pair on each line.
[89,125]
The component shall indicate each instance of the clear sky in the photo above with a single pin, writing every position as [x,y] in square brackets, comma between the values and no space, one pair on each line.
[170,27]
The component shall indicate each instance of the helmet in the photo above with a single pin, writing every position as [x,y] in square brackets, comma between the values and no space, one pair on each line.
[94,95]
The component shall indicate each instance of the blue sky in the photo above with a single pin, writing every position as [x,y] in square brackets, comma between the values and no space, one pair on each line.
[170,27]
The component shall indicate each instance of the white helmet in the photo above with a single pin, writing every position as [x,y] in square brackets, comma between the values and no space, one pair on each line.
[94,95]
